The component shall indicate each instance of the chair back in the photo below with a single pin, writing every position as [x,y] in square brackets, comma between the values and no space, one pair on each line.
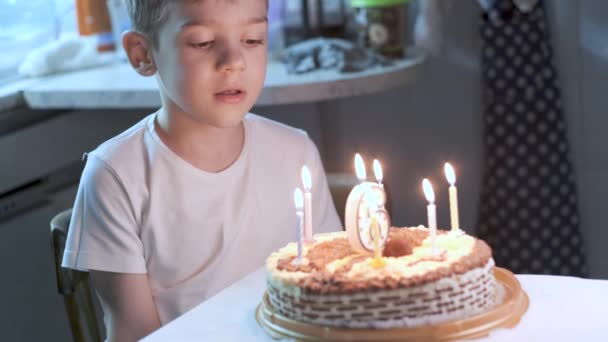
[74,286]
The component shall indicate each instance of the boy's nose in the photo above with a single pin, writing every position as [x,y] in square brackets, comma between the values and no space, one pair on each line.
[231,59]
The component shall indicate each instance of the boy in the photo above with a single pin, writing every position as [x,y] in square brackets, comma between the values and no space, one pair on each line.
[198,194]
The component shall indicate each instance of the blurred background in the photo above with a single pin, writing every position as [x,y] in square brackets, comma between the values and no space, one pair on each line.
[413,99]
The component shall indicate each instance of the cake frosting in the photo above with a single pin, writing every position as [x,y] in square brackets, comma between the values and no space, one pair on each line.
[334,285]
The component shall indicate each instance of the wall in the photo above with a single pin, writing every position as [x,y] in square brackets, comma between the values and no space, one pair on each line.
[592,44]
[32,309]
[415,129]
[412,129]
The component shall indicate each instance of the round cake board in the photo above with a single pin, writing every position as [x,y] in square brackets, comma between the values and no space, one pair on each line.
[506,314]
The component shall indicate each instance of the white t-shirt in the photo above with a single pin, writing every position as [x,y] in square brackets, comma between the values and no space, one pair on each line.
[141,208]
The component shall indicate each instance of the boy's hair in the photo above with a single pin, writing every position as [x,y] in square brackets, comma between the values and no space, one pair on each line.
[148,15]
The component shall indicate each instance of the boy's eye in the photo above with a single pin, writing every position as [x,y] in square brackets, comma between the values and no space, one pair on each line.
[254,41]
[202,45]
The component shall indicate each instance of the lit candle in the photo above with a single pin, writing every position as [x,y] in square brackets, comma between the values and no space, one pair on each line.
[372,204]
[381,199]
[378,171]
[360,168]
[451,176]
[431,212]
[307,182]
[299,202]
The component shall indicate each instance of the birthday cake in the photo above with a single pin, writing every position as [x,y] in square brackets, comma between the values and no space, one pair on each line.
[376,276]
[423,280]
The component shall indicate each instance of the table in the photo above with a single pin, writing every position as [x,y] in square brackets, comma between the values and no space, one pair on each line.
[561,309]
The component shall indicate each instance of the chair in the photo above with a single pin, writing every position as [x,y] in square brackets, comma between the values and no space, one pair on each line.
[74,287]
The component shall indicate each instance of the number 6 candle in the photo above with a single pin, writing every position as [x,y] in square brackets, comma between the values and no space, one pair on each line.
[359,217]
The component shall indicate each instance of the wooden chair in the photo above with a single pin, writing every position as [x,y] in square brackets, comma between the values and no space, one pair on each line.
[74,287]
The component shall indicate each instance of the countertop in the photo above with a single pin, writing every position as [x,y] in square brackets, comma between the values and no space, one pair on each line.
[118,86]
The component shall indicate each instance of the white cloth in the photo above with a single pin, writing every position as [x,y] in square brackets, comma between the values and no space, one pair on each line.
[67,53]
[561,309]
[140,208]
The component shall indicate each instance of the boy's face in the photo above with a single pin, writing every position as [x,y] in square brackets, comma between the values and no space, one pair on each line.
[211,58]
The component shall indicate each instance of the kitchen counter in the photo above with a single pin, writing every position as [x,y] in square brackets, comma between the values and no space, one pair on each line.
[117,86]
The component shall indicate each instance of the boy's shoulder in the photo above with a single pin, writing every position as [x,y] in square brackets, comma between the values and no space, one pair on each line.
[129,151]
[126,148]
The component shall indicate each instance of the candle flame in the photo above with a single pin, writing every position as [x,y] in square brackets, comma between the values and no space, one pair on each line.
[449,174]
[378,171]
[306,178]
[298,199]
[428,191]
[360,167]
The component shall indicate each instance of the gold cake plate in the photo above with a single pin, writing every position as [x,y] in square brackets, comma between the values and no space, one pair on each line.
[504,315]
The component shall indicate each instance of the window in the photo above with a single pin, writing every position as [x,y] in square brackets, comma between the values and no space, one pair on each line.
[27,25]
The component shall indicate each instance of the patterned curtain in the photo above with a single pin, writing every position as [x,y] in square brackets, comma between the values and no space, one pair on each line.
[528,210]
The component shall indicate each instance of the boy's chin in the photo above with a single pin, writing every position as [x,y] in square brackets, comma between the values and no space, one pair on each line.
[227,119]
[229,123]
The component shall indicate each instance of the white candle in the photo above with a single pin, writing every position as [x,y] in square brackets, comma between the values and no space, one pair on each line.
[307,182]
[431,212]
[381,202]
[370,198]
[451,176]
[299,202]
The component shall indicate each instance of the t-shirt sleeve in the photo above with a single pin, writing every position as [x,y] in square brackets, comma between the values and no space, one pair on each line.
[104,234]
[325,216]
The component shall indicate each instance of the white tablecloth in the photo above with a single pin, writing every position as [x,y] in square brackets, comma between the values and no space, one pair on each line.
[561,309]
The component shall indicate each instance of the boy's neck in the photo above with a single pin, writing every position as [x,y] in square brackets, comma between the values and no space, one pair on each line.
[208,148]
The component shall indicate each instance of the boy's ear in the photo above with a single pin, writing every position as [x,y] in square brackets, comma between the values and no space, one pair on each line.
[139,52]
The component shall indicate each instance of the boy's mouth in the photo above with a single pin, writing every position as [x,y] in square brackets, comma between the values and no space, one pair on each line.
[231,96]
